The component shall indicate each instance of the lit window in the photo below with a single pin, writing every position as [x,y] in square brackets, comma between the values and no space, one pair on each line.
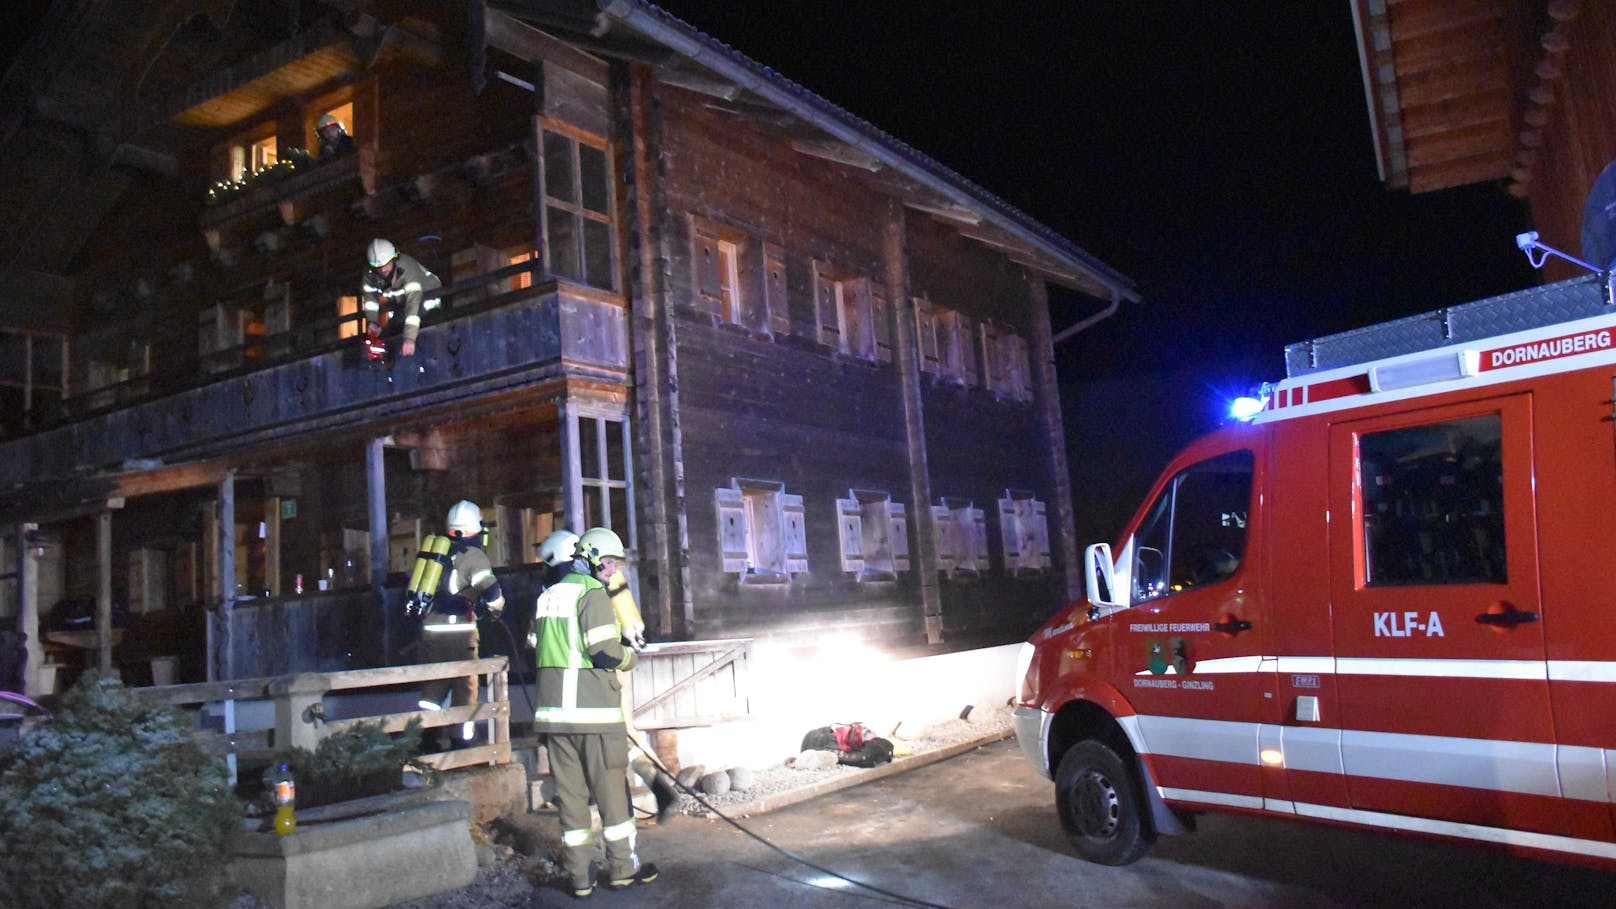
[522,280]
[348,311]
[762,531]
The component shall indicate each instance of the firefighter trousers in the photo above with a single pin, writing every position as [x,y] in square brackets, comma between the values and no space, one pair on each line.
[589,765]
[446,647]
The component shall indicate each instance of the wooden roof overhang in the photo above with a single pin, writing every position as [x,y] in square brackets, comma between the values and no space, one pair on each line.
[684,57]
[1458,90]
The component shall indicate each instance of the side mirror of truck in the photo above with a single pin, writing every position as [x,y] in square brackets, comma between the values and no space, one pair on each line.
[1100,578]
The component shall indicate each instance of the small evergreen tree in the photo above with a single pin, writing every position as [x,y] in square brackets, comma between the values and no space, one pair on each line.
[111,804]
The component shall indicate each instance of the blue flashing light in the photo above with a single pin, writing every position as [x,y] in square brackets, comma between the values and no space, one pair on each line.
[1246,408]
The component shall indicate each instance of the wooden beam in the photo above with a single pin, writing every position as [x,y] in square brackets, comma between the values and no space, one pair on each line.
[519,39]
[1418,20]
[839,152]
[1459,173]
[1480,141]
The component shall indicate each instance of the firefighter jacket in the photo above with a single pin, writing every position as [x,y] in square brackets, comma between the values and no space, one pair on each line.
[470,582]
[579,650]
[409,290]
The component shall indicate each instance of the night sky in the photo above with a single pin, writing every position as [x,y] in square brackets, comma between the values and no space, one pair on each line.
[1219,154]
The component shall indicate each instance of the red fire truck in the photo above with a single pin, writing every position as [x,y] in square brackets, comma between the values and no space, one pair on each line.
[1384,601]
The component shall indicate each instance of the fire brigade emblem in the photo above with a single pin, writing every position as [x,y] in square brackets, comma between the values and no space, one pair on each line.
[1174,652]
[1156,657]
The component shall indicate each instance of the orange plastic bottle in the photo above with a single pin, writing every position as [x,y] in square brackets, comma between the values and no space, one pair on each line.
[285,800]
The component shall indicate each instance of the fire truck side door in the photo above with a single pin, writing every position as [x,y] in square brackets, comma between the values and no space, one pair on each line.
[1440,659]
[1188,650]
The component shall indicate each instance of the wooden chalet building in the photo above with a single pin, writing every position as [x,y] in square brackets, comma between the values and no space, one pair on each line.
[802,368]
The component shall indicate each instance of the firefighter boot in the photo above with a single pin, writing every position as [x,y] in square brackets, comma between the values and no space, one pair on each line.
[648,872]
[667,797]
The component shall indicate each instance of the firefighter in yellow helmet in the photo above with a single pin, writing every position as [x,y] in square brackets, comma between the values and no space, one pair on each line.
[597,543]
[408,288]
[470,591]
[579,650]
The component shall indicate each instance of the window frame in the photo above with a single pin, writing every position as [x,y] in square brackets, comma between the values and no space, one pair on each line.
[30,381]
[1024,533]
[873,532]
[754,514]
[578,211]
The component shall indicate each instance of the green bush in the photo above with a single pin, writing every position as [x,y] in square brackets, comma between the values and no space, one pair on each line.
[111,804]
[359,760]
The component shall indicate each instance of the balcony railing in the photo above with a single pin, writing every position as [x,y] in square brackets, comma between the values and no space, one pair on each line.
[310,378]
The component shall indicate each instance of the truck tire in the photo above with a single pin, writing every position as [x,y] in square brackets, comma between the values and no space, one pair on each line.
[1097,798]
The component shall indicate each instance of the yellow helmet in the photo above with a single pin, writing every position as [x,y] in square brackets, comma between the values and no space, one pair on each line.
[465,518]
[558,548]
[598,543]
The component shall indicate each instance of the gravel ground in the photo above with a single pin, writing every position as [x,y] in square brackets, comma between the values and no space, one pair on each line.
[517,855]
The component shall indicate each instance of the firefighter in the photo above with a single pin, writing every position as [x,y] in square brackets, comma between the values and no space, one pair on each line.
[600,542]
[449,630]
[409,289]
[334,139]
[580,651]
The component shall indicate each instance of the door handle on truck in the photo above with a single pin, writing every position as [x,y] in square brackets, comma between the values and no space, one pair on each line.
[1231,625]
[1505,617]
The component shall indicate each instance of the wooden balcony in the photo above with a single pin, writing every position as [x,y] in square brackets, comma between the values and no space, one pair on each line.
[310,380]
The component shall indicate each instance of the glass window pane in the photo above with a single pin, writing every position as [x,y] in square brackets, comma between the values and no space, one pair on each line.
[563,237]
[1434,503]
[592,173]
[593,513]
[620,516]
[13,358]
[598,254]
[48,361]
[589,448]
[558,181]
[614,449]
[1209,520]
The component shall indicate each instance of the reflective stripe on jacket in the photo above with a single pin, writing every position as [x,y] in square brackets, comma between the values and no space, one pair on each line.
[410,282]
[573,619]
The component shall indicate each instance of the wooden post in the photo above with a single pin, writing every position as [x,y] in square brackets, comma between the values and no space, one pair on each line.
[221,662]
[376,488]
[103,595]
[924,544]
[572,487]
[272,545]
[1046,395]
[28,608]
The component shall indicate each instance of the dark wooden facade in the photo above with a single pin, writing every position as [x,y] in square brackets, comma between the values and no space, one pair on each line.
[804,370]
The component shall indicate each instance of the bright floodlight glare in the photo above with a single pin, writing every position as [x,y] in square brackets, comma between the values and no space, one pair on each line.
[1246,408]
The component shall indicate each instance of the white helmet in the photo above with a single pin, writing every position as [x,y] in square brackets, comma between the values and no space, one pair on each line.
[465,518]
[558,548]
[329,120]
[381,252]
[598,543]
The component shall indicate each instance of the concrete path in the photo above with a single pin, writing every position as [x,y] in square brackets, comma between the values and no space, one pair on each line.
[979,829]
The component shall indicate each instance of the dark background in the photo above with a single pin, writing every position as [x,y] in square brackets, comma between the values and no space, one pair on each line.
[1219,154]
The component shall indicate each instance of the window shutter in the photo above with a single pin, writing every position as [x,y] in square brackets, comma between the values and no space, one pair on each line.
[826,307]
[1023,367]
[850,527]
[704,253]
[795,518]
[857,323]
[979,538]
[881,322]
[1040,533]
[774,288]
[1009,534]
[947,537]
[731,528]
[926,334]
[967,350]
[900,536]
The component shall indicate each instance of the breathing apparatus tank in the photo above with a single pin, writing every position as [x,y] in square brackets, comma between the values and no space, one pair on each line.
[426,575]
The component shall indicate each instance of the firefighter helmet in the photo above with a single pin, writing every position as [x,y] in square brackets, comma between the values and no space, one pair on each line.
[558,548]
[465,519]
[381,252]
[329,120]
[598,543]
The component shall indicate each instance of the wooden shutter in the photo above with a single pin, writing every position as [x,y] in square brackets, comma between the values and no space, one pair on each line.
[826,313]
[1022,370]
[926,334]
[709,283]
[774,288]
[850,528]
[1009,534]
[979,538]
[796,532]
[731,528]
[947,537]
[857,325]
[967,350]
[1040,533]
[881,323]
[900,535]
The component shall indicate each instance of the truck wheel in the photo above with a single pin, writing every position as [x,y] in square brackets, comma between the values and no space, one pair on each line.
[1100,808]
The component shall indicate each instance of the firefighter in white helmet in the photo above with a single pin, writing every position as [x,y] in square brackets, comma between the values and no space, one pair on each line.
[333,136]
[470,592]
[580,652]
[602,545]
[408,289]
